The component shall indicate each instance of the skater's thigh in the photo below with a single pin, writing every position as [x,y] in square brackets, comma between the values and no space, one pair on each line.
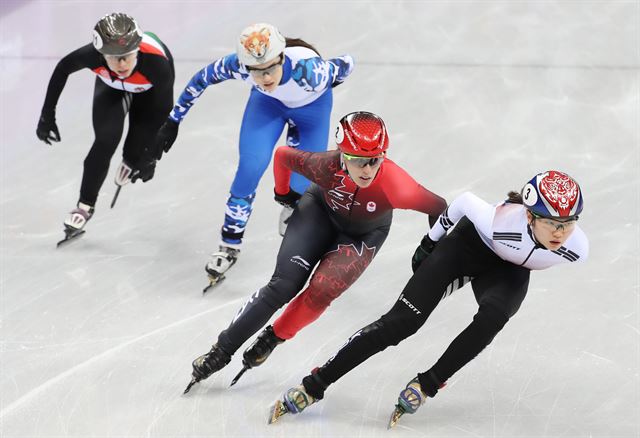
[261,127]
[109,109]
[144,122]
[504,287]
[309,235]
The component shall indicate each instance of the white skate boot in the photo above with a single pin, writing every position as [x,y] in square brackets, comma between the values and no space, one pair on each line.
[285,215]
[74,224]
[220,262]
[123,177]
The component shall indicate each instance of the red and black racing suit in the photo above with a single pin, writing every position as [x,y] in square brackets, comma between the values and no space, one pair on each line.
[337,226]
[147,95]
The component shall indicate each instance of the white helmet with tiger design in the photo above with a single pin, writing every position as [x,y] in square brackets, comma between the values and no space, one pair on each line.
[259,43]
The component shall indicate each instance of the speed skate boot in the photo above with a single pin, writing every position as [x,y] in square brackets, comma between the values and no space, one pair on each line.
[294,401]
[412,397]
[123,174]
[207,364]
[259,351]
[123,177]
[75,223]
[79,217]
[220,262]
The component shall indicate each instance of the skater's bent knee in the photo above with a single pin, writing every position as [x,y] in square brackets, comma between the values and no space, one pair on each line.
[491,319]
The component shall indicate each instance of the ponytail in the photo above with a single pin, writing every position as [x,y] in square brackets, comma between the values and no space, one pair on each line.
[297,42]
[514,197]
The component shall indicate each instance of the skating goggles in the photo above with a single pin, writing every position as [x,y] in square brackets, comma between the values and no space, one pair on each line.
[556,225]
[267,70]
[363,161]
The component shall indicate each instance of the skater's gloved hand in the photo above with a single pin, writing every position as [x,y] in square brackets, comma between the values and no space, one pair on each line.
[166,136]
[422,252]
[289,200]
[47,129]
[144,170]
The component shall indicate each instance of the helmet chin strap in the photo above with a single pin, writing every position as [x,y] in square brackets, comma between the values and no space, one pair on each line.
[533,234]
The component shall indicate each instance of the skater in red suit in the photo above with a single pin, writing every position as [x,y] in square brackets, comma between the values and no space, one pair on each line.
[338,226]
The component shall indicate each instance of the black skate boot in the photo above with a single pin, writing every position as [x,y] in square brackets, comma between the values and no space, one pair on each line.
[259,351]
[207,364]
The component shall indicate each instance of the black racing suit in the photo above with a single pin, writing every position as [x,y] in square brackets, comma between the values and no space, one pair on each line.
[147,95]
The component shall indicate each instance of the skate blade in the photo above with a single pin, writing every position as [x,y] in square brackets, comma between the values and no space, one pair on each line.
[69,236]
[395,416]
[237,377]
[115,197]
[193,382]
[213,282]
[277,410]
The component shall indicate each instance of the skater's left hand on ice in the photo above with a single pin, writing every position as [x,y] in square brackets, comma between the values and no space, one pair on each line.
[144,170]
[289,200]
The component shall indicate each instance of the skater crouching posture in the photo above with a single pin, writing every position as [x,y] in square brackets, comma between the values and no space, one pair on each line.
[135,75]
[291,85]
[495,247]
[339,225]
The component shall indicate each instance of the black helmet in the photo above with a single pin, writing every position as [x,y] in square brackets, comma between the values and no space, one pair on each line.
[116,34]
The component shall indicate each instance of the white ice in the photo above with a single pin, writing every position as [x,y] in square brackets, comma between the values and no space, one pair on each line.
[97,338]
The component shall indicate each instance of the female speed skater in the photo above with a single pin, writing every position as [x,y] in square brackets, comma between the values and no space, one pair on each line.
[291,85]
[496,248]
[338,227]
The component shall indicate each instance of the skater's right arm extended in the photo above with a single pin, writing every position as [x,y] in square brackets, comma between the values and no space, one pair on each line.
[318,167]
[83,57]
[218,71]
[227,67]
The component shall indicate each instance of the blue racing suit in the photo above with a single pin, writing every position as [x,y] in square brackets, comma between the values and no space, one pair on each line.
[302,101]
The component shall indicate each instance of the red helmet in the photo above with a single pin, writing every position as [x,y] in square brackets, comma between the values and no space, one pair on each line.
[553,194]
[362,134]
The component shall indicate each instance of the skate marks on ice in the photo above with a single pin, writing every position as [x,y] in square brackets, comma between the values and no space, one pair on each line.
[41,390]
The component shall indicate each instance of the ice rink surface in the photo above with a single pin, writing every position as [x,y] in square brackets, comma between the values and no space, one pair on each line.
[97,338]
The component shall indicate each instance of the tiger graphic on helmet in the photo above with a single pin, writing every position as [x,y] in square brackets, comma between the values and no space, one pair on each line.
[257,43]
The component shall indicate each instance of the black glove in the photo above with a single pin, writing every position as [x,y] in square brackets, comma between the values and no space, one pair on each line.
[145,170]
[422,252]
[47,129]
[289,200]
[166,136]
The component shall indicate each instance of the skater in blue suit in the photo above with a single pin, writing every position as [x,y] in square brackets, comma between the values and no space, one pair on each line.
[291,86]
